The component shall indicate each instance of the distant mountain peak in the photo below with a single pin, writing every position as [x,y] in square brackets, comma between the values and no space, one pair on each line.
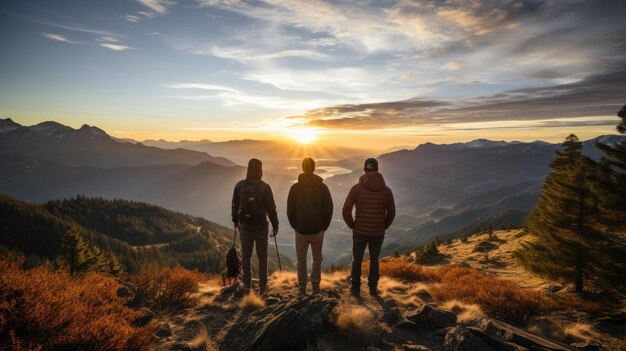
[51,128]
[7,125]
[91,130]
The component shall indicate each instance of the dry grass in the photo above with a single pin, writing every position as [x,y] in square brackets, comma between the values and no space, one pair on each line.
[500,297]
[580,331]
[404,271]
[252,301]
[577,303]
[167,290]
[46,309]
[466,313]
[356,323]
[283,279]
[332,280]
[202,341]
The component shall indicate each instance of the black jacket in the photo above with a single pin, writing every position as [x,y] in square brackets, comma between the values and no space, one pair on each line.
[268,199]
[309,205]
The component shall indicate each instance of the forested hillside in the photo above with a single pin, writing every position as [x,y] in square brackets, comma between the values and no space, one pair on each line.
[137,234]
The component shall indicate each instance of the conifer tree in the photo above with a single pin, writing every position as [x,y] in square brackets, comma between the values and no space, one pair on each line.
[74,254]
[564,221]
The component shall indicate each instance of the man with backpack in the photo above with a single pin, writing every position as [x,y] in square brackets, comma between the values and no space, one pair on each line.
[252,203]
[309,209]
[375,211]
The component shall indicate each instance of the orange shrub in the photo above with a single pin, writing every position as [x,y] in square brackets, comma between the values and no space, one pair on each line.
[498,296]
[167,290]
[403,271]
[45,309]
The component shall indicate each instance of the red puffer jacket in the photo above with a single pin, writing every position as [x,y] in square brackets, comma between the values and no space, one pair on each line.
[375,207]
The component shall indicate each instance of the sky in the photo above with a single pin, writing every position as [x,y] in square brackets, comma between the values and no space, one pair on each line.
[355,73]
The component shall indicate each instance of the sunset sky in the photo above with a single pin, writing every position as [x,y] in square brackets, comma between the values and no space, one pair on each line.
[362,73]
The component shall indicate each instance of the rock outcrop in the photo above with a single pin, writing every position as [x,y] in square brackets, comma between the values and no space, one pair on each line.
[284,325]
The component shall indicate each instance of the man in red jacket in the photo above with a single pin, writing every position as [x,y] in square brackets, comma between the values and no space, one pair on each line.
[375,211]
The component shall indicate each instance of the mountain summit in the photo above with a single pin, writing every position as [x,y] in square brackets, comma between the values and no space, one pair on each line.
[89,146]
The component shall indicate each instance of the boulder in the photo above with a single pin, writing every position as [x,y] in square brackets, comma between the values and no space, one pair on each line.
[164,330]
[461,339]
[431,317]
[286,325]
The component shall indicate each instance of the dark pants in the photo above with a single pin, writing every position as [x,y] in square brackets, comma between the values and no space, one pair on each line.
[359,242]
[249,239]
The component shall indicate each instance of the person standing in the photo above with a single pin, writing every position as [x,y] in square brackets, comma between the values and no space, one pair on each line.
[375,211]
[309,209]
[252,203]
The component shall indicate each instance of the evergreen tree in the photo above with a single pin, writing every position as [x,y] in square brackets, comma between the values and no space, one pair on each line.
[564,220]
[75,255]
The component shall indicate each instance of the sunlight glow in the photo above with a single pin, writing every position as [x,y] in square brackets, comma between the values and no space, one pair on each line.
[303,135]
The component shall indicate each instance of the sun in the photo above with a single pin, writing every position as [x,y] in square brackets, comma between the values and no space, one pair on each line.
[303,135]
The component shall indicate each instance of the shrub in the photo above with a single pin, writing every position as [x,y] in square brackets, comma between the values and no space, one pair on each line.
[356,323]
[252,302]
[49,309]
[403,271]
[167,290]
[500,297]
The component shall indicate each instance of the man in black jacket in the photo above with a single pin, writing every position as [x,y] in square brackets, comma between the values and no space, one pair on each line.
[252,203]
[309,209]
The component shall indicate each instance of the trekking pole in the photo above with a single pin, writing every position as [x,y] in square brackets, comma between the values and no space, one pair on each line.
[277,254]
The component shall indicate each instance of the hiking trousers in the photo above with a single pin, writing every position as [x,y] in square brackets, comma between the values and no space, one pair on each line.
[359,243]
[249,239]
[302,248]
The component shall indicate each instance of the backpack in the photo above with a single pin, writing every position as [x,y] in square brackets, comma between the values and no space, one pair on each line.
[251,204]
[233,265]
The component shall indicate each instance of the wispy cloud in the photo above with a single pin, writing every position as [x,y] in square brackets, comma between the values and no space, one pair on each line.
[115,47]
[233,97]
[154,8]
[599,95]
[58,37]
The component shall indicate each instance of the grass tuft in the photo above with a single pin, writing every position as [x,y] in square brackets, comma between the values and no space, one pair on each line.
[252,301]
[356,323]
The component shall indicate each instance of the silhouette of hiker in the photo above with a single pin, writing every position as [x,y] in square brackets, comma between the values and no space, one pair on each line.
[375,211]
[309,209]
[252,203]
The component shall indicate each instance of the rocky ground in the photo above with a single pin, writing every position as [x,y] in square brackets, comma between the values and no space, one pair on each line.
[403,317]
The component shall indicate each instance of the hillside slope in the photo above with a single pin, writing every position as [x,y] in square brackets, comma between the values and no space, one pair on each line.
[138,234]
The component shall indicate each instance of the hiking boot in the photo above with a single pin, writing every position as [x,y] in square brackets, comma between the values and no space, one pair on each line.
[355,291]
[316,290]
[301,292]
[374,292]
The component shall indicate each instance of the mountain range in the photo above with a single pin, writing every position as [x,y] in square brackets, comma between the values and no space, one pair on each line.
[440,190]
[89,146]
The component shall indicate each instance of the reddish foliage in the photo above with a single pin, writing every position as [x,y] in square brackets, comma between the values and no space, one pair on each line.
[498,296]
[45,309]
[167,290]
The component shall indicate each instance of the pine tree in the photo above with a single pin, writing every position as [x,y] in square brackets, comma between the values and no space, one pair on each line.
[564,221]
[74,255]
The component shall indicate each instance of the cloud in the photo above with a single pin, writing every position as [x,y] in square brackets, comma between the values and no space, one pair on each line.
[233,97]
[132,18]
[201,86]
[453,65]
[115,47]
[58,37]
[598,95]
[108,39]
[157,6]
